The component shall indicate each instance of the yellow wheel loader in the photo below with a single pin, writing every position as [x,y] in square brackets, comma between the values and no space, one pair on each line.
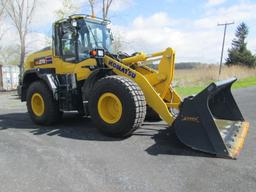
[80,73]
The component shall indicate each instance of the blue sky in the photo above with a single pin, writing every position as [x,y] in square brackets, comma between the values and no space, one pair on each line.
[178,9]
[175,9]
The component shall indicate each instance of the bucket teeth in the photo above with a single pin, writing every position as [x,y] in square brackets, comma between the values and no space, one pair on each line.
[233,134]
[238,141]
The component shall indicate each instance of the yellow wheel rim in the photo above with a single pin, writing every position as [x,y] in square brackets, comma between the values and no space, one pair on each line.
[110,108]
[37,104]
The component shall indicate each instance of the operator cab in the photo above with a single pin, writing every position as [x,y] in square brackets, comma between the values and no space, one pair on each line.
[81,37]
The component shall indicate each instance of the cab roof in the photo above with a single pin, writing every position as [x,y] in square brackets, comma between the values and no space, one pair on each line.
[87,17]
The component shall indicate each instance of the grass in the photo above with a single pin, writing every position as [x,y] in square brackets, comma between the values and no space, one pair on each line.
[186,91]
[192,81]
[247,82]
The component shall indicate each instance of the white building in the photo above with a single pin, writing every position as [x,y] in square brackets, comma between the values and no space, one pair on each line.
[9,77]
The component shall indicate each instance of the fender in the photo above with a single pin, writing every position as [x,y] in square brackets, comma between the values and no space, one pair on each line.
[46,75]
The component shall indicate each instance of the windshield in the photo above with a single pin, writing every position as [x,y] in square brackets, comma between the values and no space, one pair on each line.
[92,36]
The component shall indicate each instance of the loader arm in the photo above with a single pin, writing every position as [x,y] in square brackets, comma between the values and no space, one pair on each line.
[156,85]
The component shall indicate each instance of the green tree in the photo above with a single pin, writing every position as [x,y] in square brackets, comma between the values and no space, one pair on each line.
[239,54]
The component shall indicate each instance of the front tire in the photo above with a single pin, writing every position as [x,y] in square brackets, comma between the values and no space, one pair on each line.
[42,107]
[117,106]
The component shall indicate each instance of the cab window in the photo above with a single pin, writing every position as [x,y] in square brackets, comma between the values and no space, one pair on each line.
[83,46]
[68,47]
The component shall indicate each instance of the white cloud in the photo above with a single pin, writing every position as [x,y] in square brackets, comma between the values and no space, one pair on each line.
[150,36]
[45,12]
[200,40]
[37,41]
[116,6]
[236,13]
[252,44]
[120,5]
[160,19]
[215,2]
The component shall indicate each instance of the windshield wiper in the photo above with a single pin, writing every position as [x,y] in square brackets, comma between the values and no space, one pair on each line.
[94,37]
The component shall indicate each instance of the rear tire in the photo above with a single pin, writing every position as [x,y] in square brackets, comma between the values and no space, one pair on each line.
[42,107]
[125,106]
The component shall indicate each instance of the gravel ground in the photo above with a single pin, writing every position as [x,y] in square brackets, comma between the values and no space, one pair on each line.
[73,156]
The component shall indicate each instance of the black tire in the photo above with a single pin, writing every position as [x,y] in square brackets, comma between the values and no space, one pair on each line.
[152,116]
[51,113]
[133,106]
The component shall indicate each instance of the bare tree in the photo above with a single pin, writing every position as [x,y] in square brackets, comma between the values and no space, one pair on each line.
[105,8]
[20,13]
[2,7]
[2,10]
[68,8]
[92,4]
[117,44]
[106,4]
[9,55]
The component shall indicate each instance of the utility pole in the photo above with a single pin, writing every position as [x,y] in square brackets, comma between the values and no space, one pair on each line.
[223,43]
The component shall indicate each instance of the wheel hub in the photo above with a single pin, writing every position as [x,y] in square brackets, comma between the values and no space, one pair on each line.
[110,108]
[37,104]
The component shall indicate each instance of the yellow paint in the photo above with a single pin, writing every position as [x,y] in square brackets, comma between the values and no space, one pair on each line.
[156,85]
[110,108]
[29,63]
[60,66]
[82,73]
[37,104]
[239,141]
[130,60]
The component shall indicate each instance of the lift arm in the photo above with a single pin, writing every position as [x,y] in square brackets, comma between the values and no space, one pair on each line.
[154,84]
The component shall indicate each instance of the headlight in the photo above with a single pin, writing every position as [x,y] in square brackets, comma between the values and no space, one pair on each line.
[100,53]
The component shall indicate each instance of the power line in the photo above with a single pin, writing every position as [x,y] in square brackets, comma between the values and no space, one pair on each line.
[223,43]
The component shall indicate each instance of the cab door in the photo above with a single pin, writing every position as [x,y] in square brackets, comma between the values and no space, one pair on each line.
[67,53]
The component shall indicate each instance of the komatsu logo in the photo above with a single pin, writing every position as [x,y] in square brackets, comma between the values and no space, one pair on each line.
[122,69]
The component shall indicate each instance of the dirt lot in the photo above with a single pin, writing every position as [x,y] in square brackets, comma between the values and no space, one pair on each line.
[73,156]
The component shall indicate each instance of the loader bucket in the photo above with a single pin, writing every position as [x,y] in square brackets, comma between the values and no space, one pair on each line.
[212,122]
